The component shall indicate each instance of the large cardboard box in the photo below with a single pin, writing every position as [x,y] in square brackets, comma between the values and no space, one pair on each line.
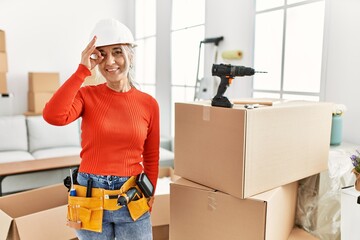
[44,81]
[2,41]
[37,214]
[244,152]
[37,101]
[3,83]
[3,62]
[199,212]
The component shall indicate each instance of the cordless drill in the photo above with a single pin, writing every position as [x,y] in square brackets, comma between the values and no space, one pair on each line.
[130,195]
[227,73]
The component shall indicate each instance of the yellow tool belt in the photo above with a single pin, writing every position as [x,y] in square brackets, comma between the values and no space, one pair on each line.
[87,212]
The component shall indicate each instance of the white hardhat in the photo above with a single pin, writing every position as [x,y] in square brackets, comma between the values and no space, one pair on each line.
[110,32]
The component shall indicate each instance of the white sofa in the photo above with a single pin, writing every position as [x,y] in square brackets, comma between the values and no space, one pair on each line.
[31,138]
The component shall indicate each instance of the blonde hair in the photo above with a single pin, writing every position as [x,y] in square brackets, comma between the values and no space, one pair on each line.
[129,55]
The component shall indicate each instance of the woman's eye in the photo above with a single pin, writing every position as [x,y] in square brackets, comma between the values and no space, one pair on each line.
[103,54]
[117,53]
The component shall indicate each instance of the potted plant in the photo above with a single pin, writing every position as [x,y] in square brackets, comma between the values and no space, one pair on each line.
[355,159]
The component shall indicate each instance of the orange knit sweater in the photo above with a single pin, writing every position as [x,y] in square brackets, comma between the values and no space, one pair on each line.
[119,130]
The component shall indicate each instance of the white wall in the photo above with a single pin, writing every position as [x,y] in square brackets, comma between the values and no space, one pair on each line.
[163,65]
[49,36]
[235,20]
[343,63]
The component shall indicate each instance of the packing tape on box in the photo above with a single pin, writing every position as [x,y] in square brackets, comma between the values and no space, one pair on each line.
[232,55]
[212,203]
[206,113]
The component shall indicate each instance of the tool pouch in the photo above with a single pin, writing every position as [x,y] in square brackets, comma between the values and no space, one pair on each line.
[139,207]
[85,213]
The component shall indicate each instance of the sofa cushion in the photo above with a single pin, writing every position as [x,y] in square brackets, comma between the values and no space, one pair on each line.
[57,152]
[13,133]
[15,156]
[43,135]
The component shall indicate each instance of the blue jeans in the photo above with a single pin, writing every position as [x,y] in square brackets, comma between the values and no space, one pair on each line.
[116,224]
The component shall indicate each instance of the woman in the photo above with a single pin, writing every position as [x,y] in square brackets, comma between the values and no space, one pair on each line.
[120,125]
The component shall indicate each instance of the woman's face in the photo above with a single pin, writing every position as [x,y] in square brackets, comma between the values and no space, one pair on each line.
[113,66]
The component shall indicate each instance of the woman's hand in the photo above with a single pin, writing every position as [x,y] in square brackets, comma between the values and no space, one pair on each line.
[91,57]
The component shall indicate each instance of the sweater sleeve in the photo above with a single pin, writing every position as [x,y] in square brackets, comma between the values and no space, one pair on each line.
[66,104]
[152,145]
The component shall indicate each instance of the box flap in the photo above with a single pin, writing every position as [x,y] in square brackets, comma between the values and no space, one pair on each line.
[21,204]
[187,183]
[5,224]
[50,224]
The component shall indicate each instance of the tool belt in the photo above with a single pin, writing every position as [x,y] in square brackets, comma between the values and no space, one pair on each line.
[87,212]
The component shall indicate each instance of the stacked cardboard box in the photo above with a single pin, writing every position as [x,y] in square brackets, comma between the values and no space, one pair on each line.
[242,166]
[6,98]
[42,86]
[3,63]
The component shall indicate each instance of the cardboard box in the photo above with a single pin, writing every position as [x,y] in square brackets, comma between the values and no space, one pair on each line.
[37,101]
[2,41]
[301,234]
[44,81]
[3,83]
[36,214]
[244,152]
[160,214]
[161,232]
[3,62]
[350,213]
[199,212]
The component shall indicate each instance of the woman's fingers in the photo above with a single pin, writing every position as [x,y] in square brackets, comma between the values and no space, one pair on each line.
[86,58]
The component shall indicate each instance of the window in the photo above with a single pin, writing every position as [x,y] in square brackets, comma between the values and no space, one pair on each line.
[288,45]
[187,30]
[145,35]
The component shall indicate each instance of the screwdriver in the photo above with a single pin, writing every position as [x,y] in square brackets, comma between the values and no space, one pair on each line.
[72,190]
